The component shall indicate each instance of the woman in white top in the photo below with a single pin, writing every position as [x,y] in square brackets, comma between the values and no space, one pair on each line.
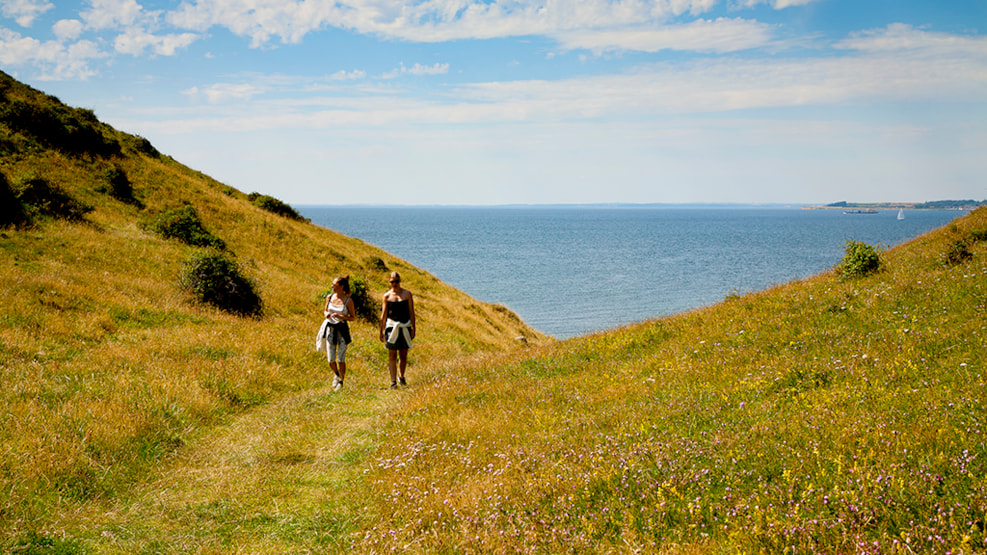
[339,310]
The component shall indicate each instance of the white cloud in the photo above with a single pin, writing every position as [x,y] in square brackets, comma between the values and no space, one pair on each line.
[225,92]
[776,4]
[594,24]
[348,75]
[918,70]
[434,69]
[136,41]
[899,37]
[67,29]
[53,60]
[417,69]
[24,11]
[720,36]
[261,19]
[112,14]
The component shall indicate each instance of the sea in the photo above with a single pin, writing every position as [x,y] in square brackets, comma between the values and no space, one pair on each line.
[572,270]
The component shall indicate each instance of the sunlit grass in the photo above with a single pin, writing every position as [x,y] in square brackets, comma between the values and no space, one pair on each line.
[827,415]
[108,368]
[818,416]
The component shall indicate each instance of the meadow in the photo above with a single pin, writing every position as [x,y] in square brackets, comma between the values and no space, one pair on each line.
[829,415]
[109,367]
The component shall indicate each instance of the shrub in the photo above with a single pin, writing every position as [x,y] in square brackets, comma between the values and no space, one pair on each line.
[957,253]
[859,260]
[275,206]
[214,279]
[183,224]
[40,197]
[11,211]
[55,125]
[139,144]
[118,186]
[366,307]
[376,263]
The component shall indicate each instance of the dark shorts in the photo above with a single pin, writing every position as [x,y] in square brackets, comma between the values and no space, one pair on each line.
[401,343]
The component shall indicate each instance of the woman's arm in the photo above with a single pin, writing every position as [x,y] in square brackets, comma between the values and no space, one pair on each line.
[411,313]
[350,311]
[383,316]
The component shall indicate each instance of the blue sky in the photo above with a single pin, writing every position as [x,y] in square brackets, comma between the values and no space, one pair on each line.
[532,101]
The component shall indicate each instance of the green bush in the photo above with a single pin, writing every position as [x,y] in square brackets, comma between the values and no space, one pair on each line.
[11,211]
[366,307]
[54,125]
[214,279]
[139,144]
[273,205]
[118,186]
[39,197]
[184,225]
[859,260]
[376,263]
[957,253]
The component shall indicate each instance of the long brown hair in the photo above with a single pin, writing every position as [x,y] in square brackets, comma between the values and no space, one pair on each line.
[344,281]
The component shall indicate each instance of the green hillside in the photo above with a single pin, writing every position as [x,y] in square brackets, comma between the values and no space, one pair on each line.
[108,365]
[837,414]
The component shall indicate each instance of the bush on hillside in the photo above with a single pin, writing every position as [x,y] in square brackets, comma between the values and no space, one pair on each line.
[139,144]
[184,225]
[363,302]
[11,211]
[273,205]
[118,186]
[859,260]
[376,263]
[214,279]
[54,125]
[39,197]
[958,252]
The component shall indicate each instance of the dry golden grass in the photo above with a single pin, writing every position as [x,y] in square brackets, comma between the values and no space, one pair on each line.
[819,416]
[108,367]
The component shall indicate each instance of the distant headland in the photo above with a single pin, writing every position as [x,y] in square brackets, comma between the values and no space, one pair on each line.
[931,205]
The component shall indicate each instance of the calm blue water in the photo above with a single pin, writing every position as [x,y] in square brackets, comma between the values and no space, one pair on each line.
[572,270]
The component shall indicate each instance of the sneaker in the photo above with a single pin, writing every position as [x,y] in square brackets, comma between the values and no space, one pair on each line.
[335,380]
[338,386]
[401,381]
[394,385]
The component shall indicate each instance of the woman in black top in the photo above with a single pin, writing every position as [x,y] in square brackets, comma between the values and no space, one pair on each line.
[397,328]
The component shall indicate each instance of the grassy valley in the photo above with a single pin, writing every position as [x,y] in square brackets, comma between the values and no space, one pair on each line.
[108,366]
[837,414]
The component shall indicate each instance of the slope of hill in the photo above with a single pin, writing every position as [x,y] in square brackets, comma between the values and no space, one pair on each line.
[827,415]
[107,364]
[822,416]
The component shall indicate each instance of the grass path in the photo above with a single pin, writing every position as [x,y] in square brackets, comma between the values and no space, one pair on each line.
[283,477]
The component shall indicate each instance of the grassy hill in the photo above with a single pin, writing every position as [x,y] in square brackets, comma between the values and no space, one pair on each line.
[108,366]
[829,415]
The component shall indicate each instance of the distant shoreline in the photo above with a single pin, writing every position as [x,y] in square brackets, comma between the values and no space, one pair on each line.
[934,205]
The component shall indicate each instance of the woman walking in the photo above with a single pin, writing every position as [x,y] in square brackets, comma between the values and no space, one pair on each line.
[336,331]
[397,328]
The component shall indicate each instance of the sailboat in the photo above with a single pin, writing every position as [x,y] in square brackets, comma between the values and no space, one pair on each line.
[901,213]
